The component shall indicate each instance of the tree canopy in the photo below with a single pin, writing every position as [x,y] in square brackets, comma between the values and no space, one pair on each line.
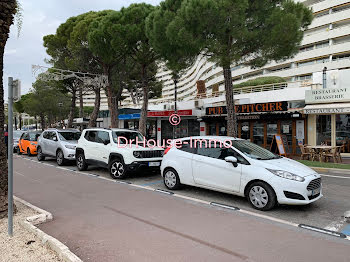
[232,32]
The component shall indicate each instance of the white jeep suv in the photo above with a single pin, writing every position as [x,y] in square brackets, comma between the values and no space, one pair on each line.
[116,149]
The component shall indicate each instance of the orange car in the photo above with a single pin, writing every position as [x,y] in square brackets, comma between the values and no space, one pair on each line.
[28,142]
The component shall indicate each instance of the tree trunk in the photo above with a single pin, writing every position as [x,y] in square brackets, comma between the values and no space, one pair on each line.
[230,104]
[81,102]
[42,122]
[94,114]
[8,9]
[72,107]
[112,99]
[20,121]
[144,109]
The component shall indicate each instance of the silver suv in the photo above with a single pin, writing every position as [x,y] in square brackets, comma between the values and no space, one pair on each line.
[58,143]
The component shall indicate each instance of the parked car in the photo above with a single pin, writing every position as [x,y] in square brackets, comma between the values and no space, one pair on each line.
[240,168]
[107,148]
[28,142]
[58,143]
[16,136]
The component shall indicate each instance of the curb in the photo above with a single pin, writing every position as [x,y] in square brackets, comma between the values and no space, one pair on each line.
[52,243]
[331,170]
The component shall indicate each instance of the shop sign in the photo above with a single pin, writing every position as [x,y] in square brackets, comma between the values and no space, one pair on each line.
[327,95]
[129,116]
[327,111]
[250,108]
[169,113]
[262,107]
[248,117]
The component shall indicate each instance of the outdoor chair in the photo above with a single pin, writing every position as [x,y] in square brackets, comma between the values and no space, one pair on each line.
[305,153]
[335,154]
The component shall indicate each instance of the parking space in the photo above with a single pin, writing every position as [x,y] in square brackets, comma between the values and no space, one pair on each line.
[326,213]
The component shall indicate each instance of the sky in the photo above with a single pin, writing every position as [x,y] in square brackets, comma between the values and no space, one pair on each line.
[40,18]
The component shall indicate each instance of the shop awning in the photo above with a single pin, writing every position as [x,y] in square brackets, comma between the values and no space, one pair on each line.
[336,108]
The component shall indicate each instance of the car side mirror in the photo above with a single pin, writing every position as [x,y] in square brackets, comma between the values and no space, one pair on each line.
[106,142]
[232,159]
[55,138]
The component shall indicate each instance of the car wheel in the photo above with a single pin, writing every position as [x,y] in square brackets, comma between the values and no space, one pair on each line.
[60,158]
[171,179]
[28,152]
[261,196]
[117,169]
[40,155]
[19,151]
[81,163]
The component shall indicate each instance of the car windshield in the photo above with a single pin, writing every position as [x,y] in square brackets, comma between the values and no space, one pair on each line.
[253,151]
[69,136]
[126,137]
[17,134]
[33,136]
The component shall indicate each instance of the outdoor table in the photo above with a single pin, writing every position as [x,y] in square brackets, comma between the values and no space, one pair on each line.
[319,151]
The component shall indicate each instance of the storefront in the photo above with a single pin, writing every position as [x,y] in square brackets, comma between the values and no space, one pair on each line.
[328,113]
[260,122]
[188,126]
[159,127]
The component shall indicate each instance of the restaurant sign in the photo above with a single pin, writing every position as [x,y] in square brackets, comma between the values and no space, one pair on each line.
[250,108]
[327,95]
[327,111]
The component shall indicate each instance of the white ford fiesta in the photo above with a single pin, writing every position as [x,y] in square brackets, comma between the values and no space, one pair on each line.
[239,167]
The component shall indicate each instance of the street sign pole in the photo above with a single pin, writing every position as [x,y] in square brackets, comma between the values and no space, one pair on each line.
[10,156]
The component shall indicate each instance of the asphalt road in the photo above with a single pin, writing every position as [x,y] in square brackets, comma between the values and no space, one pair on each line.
[101,220]
[326,213]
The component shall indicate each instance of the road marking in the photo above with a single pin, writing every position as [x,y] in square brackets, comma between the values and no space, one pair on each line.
[324,231]
[346,177]
[153,183]
[224,206]
[164,191]
[346,230]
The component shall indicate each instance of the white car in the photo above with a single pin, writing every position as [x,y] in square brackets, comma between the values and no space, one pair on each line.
[116,149]
[58,143]
[239,167]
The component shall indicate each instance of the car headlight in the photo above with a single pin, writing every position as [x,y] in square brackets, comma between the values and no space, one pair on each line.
[137,154]
[33,144]
[286,175]
[70,146]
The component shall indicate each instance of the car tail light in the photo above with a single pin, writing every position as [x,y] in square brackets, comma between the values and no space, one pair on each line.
[166,150]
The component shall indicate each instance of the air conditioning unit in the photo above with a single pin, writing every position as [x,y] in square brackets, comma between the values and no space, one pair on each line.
[198,103]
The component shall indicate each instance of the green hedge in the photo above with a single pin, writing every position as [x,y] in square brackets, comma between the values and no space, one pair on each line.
[261,81]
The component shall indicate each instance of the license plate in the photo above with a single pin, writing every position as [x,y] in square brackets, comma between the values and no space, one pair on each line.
[316,191]
[153,163]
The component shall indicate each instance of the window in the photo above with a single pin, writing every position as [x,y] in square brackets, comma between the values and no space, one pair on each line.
[91,136]
[33,136]
[64,136]
[129,136]
[323,129]
[218,151]
[102,137]
[25,136]
[187,147]
[253,151]
[46,135]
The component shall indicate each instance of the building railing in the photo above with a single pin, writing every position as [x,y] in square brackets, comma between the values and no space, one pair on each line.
[236,91]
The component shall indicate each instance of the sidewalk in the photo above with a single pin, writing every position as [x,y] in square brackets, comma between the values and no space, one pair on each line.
[100,220]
